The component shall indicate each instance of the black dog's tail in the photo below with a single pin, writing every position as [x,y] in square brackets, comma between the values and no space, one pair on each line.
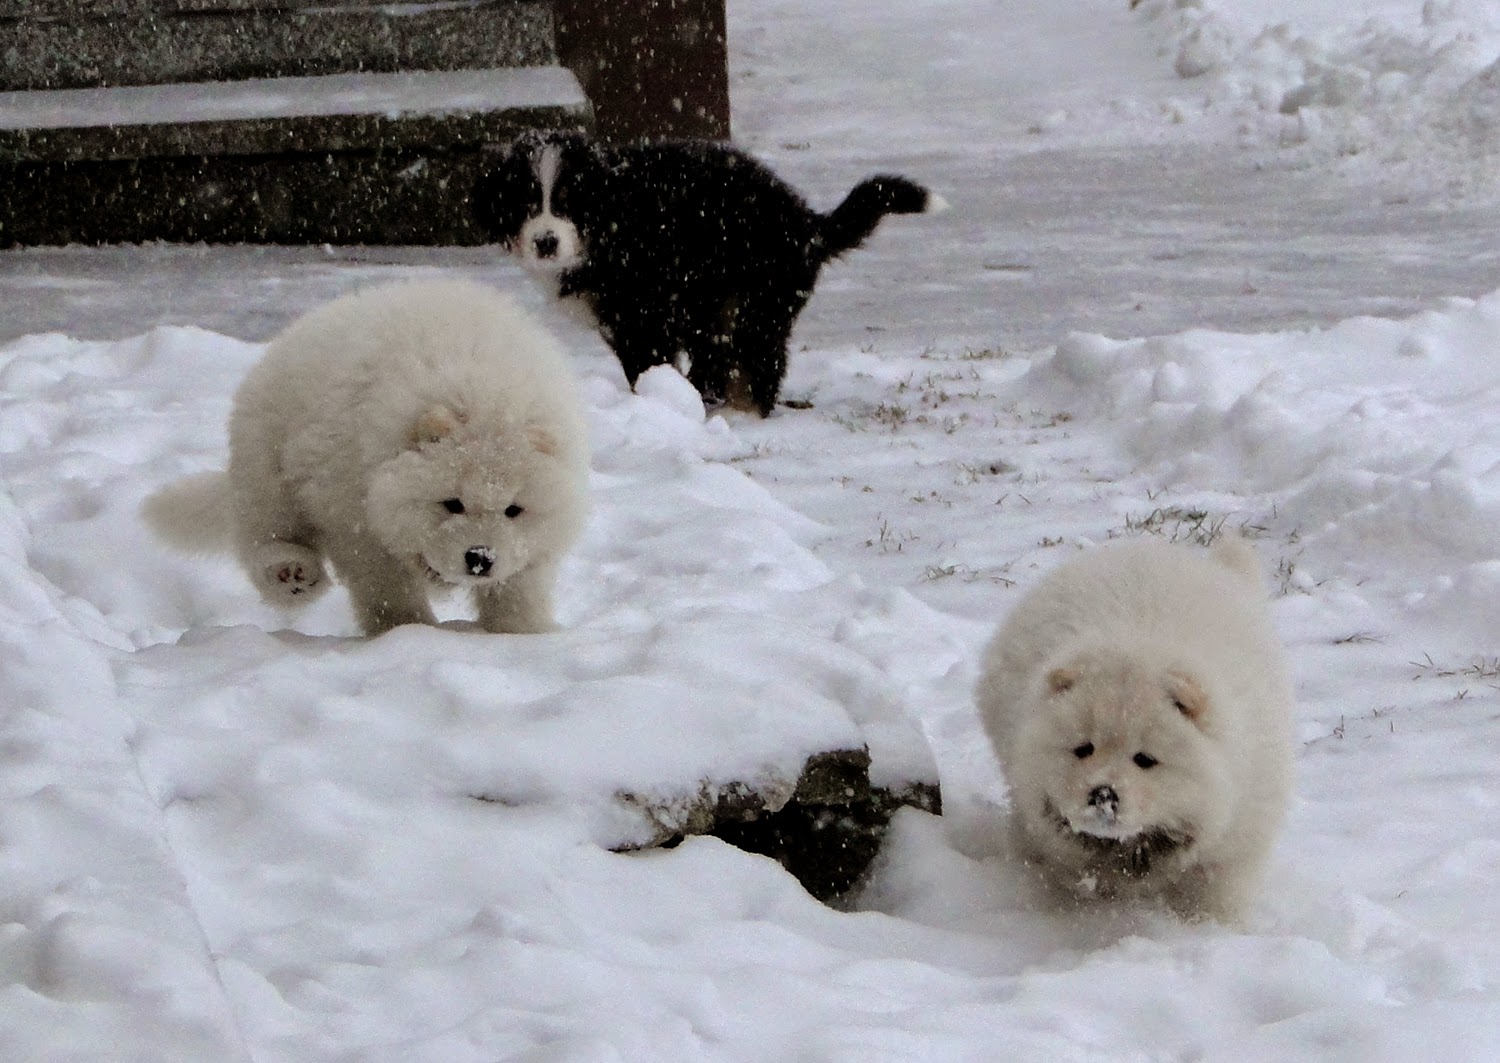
[847,226]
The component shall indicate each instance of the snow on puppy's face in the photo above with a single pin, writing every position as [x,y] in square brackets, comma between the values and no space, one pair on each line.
[1121,772]
[465,507]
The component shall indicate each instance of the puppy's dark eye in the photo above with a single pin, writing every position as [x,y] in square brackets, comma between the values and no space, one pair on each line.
[1084,751]
[453,505]
[513,511]
[1145,761]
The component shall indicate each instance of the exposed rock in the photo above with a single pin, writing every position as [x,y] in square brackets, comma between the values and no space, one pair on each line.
[825,829]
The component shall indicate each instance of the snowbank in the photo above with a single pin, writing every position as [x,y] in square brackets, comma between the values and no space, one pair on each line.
[222,837]
[1414,86]
[1371,441]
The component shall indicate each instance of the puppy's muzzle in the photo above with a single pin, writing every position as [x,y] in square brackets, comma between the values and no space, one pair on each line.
[1104,803]
[546,245]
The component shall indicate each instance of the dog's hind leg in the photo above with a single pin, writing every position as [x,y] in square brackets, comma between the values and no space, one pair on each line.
[520,605]
[757,356]
[710,347]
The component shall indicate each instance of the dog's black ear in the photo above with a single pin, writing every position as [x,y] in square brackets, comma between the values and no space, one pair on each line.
[502,193]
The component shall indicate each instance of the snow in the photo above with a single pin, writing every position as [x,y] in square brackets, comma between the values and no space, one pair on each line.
[1160,305]
[1386,89]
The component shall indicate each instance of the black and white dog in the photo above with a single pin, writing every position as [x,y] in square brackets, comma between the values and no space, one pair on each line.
[685,248]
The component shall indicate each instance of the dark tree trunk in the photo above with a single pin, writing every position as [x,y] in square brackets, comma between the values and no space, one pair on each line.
[653,68]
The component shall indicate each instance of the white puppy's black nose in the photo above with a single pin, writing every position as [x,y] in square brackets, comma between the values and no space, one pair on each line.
[1105,800]
[546,245]
[478,560]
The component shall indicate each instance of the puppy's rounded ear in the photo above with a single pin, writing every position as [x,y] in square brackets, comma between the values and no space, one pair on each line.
[542,440]
[1061,680]
[436,424]
[1188,697]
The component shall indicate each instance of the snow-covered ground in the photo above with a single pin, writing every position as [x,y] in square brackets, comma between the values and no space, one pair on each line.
[224,837]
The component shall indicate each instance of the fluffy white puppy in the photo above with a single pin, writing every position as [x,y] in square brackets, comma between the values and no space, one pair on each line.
[416,436]
[1139,702]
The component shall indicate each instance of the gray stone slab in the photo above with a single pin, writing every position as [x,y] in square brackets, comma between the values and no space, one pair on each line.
[337,112]
[117,42]
[342,159]
[44,10]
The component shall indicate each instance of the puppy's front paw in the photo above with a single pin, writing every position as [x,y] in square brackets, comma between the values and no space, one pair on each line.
[289,575]
[511,612]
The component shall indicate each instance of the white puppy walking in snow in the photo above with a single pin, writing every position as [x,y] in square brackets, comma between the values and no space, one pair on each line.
[1140,706]
[417,436]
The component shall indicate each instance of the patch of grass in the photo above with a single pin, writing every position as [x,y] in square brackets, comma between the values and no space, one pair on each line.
[755,453]
[891,414]
[971,472]
[1367,725]
[985,354]
[933,496]
[968,575]
[1486,668]
[1189,524]
[848,423]
[1178,524]
[890,540]
[1286,577]
[968,354]
[1479,669]
[939,387]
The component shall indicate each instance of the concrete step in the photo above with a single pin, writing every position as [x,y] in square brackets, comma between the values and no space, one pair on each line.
[335,112]
[346,158]
[58,44]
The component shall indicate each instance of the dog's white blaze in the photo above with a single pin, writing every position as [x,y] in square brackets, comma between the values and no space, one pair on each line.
[545,224]
[545,169]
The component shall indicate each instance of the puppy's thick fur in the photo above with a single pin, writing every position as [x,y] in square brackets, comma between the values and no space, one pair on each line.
[1140,706]
[415,436]
[680,248]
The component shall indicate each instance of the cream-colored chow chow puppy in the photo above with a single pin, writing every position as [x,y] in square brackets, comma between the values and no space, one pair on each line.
[416,436]
[1139,702]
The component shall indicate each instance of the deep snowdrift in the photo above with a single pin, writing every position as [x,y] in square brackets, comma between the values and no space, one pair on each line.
[1411,89]
[224,836]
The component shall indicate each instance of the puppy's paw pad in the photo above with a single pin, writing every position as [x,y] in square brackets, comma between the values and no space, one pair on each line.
[290,574]
[295,578]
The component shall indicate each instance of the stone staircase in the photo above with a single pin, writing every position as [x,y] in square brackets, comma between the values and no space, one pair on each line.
[313,121]
[71,44]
